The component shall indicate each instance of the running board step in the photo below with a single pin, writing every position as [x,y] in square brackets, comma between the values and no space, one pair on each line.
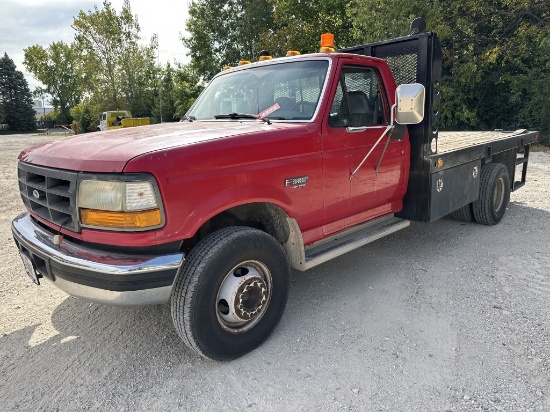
[352,239]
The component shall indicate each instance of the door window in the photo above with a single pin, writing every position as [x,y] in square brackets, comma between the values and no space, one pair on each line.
[358,100]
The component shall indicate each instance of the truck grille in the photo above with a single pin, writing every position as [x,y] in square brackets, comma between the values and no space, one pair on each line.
[50,194]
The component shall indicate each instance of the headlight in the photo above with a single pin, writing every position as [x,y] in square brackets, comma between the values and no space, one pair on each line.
[116,196]
[117,204]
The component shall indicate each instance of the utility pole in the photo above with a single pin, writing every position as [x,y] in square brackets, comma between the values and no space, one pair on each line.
[160,78]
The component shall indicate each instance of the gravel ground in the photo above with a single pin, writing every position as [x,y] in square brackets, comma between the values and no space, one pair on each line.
[440,317]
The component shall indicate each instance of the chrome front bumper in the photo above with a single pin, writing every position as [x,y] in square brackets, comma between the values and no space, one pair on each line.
[97,275]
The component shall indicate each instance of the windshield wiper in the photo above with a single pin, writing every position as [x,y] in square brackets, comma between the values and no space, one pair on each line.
[235,116]
[189,118]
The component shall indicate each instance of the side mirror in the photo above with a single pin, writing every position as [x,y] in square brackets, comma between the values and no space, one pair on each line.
[410,103]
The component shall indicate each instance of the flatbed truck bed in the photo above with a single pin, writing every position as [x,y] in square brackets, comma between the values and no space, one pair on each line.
[510,148]
[451,141]
[449,179]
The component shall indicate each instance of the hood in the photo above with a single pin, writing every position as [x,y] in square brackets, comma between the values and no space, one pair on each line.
[109,151]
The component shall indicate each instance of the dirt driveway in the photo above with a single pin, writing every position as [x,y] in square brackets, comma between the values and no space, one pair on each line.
[441,317]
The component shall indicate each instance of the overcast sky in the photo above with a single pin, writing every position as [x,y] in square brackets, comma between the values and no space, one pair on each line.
[24,23]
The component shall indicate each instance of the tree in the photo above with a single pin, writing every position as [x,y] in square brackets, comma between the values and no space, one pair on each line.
[123,73]
[59,68]
[15,98]
[86,121]
[377,20]
[165,108]
[179,89]
[528,82]
[299,24]
[222,32]
[496,56]
[86,117]
[494,60]
[187,88]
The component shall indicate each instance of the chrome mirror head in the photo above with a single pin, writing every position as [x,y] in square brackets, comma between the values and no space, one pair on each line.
[410,103]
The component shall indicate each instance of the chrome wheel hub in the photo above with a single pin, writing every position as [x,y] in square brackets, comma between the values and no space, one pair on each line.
[243,296]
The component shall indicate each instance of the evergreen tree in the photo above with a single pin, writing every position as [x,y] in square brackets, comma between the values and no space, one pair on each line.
[86,122]
[15,97]
[167,93]
[187,87]
[180,87]
[165,103]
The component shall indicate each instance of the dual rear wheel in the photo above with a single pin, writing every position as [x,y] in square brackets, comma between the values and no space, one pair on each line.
[494,195]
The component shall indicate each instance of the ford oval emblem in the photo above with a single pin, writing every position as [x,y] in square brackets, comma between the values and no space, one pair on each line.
[36,194]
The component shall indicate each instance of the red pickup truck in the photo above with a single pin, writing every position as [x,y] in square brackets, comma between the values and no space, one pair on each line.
[280,164]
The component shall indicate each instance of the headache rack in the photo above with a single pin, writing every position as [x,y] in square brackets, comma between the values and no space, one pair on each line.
[415,59]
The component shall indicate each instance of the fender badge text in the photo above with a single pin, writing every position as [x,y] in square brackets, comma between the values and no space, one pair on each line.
[296,182]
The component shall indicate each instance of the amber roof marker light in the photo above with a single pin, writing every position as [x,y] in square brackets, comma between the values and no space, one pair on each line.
[327,42]
[265,55]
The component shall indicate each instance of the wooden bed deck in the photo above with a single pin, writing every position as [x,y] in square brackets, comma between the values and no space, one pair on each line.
[449,141]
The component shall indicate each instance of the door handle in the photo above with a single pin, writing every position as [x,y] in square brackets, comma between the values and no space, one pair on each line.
[356,129]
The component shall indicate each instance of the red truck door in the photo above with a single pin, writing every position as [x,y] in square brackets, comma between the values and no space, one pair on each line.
[359,114]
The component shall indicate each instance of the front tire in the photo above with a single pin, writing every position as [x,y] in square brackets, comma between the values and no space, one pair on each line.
[494,194]
[230,293]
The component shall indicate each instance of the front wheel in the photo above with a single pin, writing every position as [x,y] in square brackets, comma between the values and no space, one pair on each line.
[230,293]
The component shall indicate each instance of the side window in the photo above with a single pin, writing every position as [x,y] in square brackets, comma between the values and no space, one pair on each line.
[358,100]
[339,115]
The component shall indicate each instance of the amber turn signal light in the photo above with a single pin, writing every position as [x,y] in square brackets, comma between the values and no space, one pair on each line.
[121,220]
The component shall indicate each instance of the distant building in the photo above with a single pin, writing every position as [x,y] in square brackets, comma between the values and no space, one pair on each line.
[40,109]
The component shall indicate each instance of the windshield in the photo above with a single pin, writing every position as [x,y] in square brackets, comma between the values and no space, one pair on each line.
[285,91]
